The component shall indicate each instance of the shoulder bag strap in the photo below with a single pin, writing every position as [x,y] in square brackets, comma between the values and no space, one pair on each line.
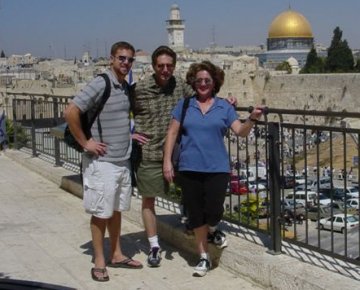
[183,113]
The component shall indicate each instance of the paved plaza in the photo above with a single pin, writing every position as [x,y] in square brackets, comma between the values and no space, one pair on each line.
[45,237]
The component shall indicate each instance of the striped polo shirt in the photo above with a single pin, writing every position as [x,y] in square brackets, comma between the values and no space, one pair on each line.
[114,118]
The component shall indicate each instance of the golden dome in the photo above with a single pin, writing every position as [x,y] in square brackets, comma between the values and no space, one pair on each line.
[290,24]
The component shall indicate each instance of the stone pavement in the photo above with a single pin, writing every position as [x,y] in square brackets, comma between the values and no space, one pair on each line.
[49,241]
[45,237]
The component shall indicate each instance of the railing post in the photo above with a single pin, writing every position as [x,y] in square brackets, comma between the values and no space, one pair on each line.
[274,166]
[33,134]
[14,124]
[56,139]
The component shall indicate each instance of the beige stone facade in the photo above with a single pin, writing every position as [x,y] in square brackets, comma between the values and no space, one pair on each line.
[244,79]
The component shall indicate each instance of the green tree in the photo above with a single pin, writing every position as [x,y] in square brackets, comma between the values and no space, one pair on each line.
[314,63]
[284,66]
[340,58]
[357,66]
[2,55]
[21,136]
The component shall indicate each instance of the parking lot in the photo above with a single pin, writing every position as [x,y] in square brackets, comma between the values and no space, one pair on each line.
[332,241]
[308,232]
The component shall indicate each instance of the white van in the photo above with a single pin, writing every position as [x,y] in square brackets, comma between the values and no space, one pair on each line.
[301,197]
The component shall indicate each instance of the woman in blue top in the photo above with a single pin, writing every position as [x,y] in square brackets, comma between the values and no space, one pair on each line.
[204,163]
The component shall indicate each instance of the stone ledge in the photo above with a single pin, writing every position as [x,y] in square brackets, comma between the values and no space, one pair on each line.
[244,258]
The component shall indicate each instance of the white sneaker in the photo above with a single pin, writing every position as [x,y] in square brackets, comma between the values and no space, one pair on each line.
[218,238]
[202,268]
[154,257]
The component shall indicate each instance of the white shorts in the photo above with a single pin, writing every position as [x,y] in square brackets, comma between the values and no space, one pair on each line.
[107,187]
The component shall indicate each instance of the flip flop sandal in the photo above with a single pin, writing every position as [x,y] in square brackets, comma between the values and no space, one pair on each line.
[102,271]
[126,263]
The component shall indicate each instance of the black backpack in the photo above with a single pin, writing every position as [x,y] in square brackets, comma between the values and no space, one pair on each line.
[88,118]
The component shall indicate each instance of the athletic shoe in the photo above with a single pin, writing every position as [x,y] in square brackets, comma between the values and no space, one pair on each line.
[218,238]
[202,268]
[184,220]
[154,257]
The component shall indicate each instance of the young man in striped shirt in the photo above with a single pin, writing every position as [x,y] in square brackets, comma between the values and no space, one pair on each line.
[106,164]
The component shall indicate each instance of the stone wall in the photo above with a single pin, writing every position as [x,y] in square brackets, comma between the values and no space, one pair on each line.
[322,92]
[325,92]
[335,92]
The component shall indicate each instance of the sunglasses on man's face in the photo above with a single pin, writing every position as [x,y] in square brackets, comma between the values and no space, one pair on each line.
[162,66]
[123,58]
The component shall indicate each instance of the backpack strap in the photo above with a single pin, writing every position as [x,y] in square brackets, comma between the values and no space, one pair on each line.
[103,100]
[131,96]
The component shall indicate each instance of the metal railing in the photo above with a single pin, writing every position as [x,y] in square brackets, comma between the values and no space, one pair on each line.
[293,152]
[283,152]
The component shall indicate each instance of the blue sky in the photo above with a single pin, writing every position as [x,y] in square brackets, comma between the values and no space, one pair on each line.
[68,27]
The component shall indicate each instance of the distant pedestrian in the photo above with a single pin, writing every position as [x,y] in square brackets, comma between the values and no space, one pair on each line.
[3,135]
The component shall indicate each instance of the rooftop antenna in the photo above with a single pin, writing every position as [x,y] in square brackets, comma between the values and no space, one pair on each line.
[97,48]
[213,43]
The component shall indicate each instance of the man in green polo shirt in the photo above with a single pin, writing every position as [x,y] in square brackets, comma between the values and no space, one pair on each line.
[156,96]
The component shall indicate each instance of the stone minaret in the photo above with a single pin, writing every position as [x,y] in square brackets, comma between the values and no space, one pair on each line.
[175,27]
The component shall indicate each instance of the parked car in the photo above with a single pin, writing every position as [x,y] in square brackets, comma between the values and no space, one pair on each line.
[289,204]
[351,192]
[340,207]
[339,223]
[324,182]
[353,203]
[263,182]
[253,186]
[335,193]
[287,181]
[305,198]
[304,185]
[289,213]
[322,200]
[314,213]
[299,179]
[238,187]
